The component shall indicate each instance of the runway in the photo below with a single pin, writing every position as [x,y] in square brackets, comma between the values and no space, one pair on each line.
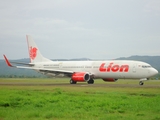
[80,85]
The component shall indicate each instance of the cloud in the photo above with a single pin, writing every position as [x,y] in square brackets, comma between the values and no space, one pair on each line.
[94,29]
[153,7]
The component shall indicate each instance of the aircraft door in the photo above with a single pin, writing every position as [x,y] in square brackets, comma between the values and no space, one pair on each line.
[60,65]
[134,68]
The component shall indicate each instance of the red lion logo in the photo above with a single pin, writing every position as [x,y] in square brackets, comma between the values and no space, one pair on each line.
[33,53]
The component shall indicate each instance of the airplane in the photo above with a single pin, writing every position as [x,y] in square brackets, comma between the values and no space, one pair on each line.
[85,71]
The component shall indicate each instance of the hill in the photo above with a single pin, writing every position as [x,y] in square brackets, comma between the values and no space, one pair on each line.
[152,60]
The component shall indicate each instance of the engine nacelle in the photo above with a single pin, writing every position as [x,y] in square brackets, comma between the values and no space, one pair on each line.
[80,77]
[109,79]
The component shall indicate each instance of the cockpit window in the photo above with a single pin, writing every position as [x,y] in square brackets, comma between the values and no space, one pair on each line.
[146,66]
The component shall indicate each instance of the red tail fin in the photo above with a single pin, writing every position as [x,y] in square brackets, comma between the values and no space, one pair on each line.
[34,53]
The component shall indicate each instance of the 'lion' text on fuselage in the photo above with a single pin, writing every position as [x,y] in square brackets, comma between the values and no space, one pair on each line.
[113,68]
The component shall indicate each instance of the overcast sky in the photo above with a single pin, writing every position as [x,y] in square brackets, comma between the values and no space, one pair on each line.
[96,29]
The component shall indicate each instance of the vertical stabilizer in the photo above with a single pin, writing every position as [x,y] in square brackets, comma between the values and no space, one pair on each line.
[34,53]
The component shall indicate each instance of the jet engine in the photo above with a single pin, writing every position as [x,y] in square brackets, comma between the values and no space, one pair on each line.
[80,77]
[109,79]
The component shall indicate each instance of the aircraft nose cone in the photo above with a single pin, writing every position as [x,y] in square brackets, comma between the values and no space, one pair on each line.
[154,72]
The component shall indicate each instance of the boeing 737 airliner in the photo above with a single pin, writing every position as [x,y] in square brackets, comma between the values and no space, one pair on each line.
[85,71]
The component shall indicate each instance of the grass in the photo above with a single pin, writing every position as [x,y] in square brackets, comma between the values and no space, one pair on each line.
[80,102]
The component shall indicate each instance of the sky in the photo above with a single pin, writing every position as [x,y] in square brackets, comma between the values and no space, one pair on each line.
[95,29]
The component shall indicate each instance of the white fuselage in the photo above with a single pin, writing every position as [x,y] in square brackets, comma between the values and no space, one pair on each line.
[104,69]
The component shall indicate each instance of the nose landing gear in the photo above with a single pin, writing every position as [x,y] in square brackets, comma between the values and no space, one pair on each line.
[141,83]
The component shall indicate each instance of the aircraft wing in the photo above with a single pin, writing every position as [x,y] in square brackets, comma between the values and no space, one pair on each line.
[31,66]
[10,65]
[45,70]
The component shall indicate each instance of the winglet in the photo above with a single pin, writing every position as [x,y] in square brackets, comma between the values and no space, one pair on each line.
[7,61]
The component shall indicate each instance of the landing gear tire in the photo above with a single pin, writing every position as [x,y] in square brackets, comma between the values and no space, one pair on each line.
[72,82]
[91,81]
[141,83]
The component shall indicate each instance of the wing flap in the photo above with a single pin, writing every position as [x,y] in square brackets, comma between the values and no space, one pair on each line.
[20,63]
[44,69]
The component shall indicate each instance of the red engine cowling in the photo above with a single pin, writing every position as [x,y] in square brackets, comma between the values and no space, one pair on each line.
[80,77]
[109,79]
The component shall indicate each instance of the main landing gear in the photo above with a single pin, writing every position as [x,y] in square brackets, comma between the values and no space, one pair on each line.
[91,81]
[73,82]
